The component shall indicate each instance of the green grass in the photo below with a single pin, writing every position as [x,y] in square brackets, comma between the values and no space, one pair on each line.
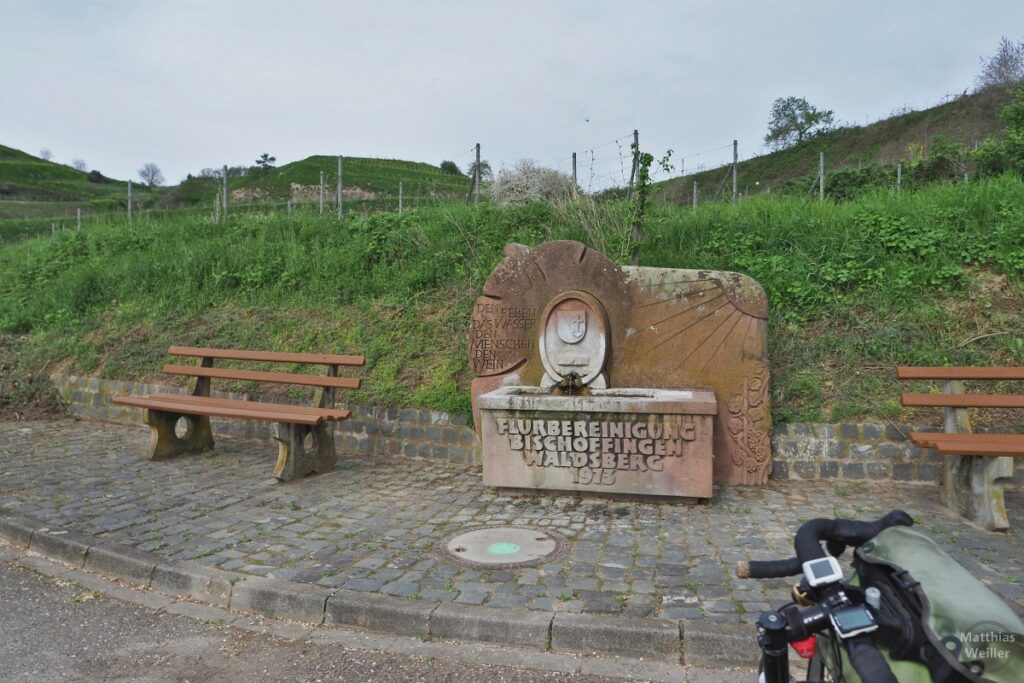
[930,277]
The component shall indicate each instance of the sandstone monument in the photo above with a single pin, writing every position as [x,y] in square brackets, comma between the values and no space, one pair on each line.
[604,378]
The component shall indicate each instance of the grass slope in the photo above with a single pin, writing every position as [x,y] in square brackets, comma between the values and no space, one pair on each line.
[968,120]
[299,180]
[33,188]
[930,277]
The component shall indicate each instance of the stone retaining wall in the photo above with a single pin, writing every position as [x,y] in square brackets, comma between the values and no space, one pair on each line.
[801,451]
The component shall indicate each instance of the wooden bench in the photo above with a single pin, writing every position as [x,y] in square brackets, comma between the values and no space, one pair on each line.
[976,467]
[305,439]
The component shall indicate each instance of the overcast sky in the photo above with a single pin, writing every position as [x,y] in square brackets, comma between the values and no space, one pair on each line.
[195,83]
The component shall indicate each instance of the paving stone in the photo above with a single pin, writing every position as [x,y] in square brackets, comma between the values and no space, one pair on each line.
[401,589]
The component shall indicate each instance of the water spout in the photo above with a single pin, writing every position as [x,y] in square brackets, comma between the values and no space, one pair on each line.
[570,385]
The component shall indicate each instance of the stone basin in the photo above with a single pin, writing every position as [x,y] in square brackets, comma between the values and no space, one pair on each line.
[618,441]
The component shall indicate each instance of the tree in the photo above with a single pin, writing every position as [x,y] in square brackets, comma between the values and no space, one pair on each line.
[450,167]
[265,162]
[46,154]
[793,120]
[151,175]
[79,165]
[485,170]
[1003,69]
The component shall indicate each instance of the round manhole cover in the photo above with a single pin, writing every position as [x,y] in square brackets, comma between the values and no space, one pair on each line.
[501,547]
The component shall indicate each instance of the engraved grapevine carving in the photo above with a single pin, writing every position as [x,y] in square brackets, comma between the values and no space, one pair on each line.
[750,422]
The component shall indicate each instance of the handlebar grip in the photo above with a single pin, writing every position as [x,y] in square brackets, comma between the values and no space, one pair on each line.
[868,661]
[768,569]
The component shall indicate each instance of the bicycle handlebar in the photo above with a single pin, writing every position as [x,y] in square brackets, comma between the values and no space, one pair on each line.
[838,533]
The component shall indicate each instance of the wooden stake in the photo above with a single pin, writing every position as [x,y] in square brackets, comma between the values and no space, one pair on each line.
[695,194]
[321,193]
[224,192]
[574,185]
[79,219]
[399,196]
[129,202]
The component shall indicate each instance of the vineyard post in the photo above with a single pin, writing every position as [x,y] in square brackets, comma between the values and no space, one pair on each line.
[821,176]
[79,219]
[399,196]
[321,193]
[695,194]
[476,178]
[636,156]
[735,162]
[129,202]
[339,185]
[224,192]
[574,172]
[899,176]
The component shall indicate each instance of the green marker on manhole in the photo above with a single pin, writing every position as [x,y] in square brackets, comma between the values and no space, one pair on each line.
[502,548]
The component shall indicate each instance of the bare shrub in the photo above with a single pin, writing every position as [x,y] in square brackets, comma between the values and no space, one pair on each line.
[526,182]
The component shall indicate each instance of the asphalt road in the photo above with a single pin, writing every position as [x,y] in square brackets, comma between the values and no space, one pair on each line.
[54,630]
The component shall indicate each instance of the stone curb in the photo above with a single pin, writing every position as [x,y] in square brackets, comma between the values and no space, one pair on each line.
[693,642]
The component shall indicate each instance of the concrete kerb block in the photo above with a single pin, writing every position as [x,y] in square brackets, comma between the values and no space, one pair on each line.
[69,547]
[490,625]
[17,530]
[712,645]
[122,562]
[196,582]
[634,637]
[380,613]
[282,599]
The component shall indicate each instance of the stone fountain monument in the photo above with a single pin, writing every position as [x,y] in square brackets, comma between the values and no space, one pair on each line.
[602,378]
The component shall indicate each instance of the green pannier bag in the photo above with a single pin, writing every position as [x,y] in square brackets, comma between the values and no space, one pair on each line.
[937,623]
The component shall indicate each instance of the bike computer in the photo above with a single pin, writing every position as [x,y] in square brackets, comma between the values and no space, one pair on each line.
[823,570]
[853,621]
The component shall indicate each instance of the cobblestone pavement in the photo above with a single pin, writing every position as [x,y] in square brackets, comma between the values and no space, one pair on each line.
[372,524]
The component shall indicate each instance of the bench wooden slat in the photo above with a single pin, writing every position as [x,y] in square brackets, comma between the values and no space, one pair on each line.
[981,449]
[324,413]
[904,372]
[963,400]
[260,376]
[268,415]
[268,356]
[929,439]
